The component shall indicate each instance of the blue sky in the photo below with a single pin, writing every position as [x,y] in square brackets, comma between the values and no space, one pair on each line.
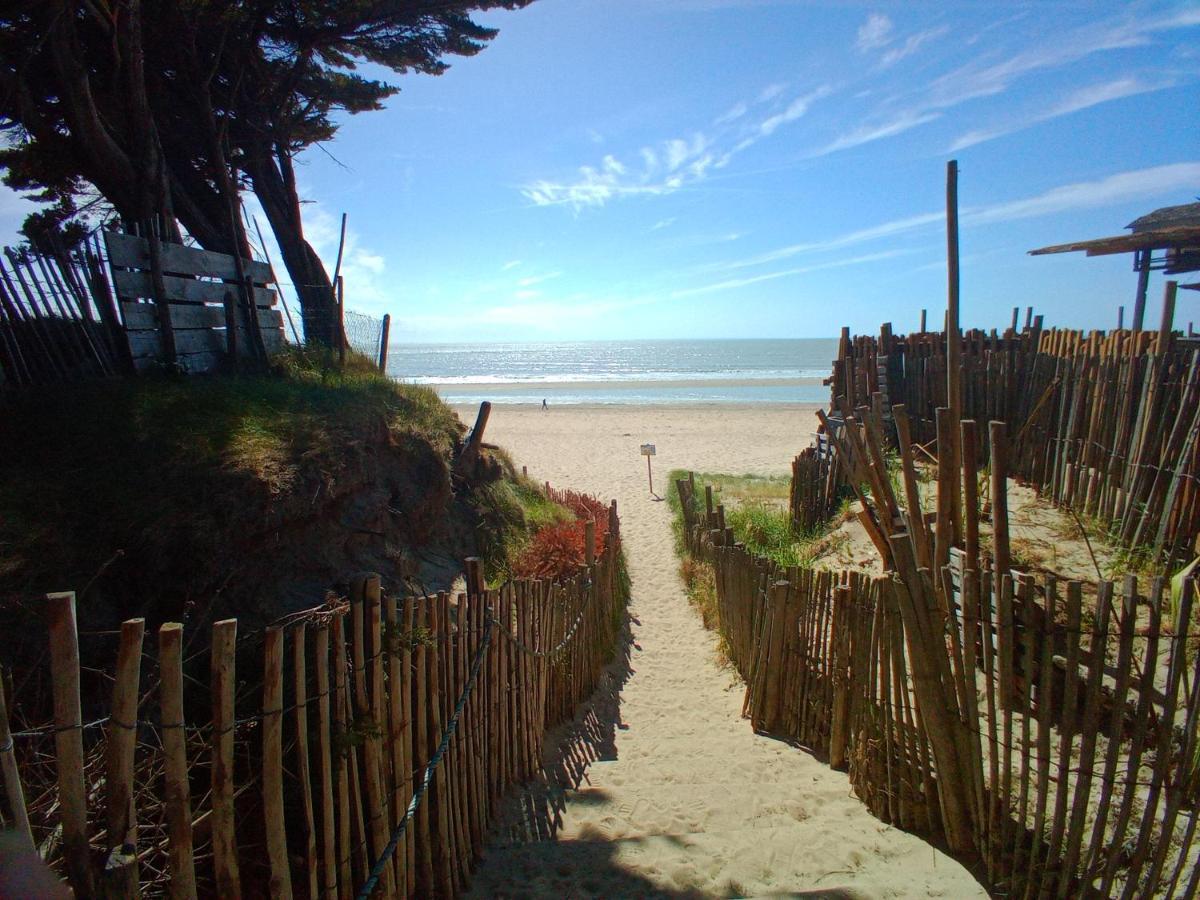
[753,168]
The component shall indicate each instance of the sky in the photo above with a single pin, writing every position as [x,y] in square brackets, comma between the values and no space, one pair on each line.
[761,168]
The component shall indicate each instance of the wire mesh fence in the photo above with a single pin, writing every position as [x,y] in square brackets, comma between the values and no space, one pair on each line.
[364,334]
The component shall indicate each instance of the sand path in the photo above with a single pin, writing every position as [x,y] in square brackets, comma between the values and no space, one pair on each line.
[660,788]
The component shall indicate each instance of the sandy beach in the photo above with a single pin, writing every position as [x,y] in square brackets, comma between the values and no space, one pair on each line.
[660,788]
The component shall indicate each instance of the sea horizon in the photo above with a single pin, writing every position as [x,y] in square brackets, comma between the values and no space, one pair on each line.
[621,372]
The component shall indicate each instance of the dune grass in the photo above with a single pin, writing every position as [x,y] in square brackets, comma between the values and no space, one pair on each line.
[106,463]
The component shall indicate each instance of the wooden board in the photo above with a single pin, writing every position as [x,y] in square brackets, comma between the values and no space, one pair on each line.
[132,252]
[143,344]
[144,317]
[131,285]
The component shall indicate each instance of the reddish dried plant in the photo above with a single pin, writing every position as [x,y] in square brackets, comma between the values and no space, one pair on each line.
[558,550]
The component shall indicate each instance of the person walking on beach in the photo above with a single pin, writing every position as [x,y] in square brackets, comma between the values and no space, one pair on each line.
[545,408]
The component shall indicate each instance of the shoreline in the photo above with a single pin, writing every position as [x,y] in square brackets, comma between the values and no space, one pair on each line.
[469,410]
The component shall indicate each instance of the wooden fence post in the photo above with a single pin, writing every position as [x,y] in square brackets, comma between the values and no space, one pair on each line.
[304,773]
[272,764]
[120,869]
[222,683]
[68,739]
[383,342]
[12,776]
[999,471]
[325,725]
[178,796]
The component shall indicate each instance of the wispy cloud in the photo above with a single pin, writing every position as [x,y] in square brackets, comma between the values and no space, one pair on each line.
[1081,99]
[731,283]
[874,33]
[1122,187]
[662,223]
[865,134]
[1176,178]
[675,163]
[859,236]
[793,110]
[511,264]
[538,279]
[911,45]
[988,76]
[981,79]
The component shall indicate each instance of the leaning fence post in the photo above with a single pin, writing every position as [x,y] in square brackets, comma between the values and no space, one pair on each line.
[12,777]
[68,739]
[178,798]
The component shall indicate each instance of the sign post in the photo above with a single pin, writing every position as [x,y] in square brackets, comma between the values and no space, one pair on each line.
[648,451]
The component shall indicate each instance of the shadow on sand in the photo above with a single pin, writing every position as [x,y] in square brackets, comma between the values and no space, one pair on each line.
[525,858]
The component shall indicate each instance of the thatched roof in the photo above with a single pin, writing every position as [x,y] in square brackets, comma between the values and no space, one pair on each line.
[1175,229]
[1168,217]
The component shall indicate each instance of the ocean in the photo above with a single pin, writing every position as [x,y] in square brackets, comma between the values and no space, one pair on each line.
[621,372]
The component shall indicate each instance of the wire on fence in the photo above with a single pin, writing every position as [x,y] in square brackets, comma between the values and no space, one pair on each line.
[372,881]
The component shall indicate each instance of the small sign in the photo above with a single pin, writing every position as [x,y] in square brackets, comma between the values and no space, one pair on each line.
[647,449]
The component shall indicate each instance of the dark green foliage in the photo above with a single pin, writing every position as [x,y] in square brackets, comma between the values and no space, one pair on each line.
[168,108]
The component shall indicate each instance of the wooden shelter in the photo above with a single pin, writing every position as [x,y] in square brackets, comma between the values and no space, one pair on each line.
[1167,239]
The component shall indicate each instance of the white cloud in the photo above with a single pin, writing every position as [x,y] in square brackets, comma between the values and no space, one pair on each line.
[1081,99]
[538,279]
[794,110]
[1177,178]
[862,235]
[671,164]
[874,33]
[511,264]
[731,283]
[978,79]
[1180,179]
[865,134]
[662,223]
[911,45]
[985,76]
[732,114]
[771,91]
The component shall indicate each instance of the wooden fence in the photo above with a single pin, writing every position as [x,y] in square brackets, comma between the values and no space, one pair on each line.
[58,321]
[818,485]
[1048,731]
[202,787]
[1106,424]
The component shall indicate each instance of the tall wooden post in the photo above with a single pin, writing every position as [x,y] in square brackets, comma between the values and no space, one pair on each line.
[68,739]
[383,342]
[953,347]
[1168,316]
[341,322]
[1141,262]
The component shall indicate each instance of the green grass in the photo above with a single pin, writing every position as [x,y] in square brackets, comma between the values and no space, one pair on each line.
[130,462]
[756,509]
[511,510]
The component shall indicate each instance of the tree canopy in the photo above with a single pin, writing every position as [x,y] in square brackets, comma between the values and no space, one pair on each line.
[168,109]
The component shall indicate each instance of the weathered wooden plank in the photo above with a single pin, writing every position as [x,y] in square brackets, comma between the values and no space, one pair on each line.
[198,340]
[133,252]
[143,317]
[191,363]
[185,290]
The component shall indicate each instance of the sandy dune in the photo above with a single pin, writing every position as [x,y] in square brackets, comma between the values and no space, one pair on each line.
[660,788]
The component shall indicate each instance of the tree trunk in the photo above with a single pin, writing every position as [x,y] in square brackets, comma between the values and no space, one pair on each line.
[277,193]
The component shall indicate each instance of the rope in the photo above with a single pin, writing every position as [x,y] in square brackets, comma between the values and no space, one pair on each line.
[543,654]
[377,869]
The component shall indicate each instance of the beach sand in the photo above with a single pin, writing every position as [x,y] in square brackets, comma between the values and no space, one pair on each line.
[659,788]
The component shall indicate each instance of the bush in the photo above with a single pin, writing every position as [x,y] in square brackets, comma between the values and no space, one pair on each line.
[557,549]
